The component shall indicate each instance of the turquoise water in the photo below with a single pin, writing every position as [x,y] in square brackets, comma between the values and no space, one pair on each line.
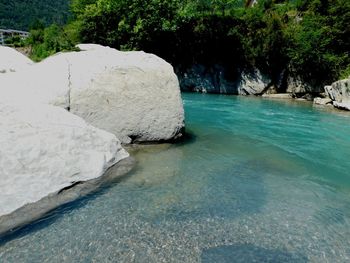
[256,181]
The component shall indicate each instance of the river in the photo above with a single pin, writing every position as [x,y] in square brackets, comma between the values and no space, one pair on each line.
[256,180]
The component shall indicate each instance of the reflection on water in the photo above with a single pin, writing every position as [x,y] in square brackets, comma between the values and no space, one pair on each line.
[257,181]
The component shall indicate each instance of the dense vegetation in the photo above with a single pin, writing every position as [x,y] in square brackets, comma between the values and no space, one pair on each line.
[309,38]
[20,14]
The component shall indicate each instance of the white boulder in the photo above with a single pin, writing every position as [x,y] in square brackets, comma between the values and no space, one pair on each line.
[131,94]
[12,60]
[134,95]
[45,149]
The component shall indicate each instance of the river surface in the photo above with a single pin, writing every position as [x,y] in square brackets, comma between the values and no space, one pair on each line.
[256,180]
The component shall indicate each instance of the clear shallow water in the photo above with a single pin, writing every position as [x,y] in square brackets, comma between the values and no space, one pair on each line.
[258,181]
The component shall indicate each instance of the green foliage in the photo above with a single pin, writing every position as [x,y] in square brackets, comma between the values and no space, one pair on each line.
[307,38]
[321,47]
[15,41]
[19,14]
[48,41]
[345,73]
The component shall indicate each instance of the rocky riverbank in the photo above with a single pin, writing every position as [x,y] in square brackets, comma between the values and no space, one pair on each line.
[63,121]
[224,80]
[219,79]
[338,94]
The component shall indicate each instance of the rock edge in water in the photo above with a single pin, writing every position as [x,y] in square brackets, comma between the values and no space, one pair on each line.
[337,94]
[46,151]
[34,211]
[52,157]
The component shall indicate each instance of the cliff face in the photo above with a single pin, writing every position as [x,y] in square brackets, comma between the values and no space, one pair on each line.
[221,80]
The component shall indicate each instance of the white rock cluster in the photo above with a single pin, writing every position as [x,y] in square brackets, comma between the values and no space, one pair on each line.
[134,95]
[49,111]
[337,94]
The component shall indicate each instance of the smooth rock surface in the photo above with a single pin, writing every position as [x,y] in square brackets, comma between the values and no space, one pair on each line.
[45,149]
[12,60]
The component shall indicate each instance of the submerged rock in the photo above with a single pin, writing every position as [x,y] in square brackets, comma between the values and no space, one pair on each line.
[45,149]
[322,101]
[134,95]
[278,96]
[12,60]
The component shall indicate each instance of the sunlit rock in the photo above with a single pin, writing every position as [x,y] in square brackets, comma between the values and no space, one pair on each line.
[134,95]
[45,149]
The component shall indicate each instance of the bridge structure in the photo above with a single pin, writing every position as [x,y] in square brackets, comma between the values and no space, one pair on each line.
[8,33]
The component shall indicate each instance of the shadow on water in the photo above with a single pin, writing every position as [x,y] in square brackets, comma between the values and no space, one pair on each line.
[49,219]
[112,177]
[189,137]
[244,253]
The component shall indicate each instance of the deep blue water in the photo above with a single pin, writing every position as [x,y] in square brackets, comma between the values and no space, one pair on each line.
[256,180]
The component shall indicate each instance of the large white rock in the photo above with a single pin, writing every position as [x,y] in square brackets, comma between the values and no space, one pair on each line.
[131,94]
[134,95]
[12,60]
[45,149]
